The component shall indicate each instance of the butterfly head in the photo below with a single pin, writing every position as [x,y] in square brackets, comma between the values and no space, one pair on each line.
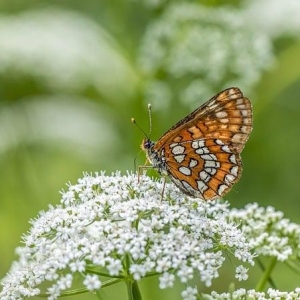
[147,144]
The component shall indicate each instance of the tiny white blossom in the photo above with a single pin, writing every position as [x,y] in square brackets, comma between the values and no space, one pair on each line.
[185,273]
[77,266]
[166,280]
[138,271]
[92,282]
[114,266]
[241,273]
[189,293]
[65,282]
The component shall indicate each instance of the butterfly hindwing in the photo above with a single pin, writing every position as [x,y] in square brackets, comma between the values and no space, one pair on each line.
[204,168]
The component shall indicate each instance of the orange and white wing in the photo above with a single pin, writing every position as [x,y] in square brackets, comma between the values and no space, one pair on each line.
[202,151]
[227,117]
[204,168]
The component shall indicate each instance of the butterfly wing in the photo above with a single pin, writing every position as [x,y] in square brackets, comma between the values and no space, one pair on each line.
[202,151]
[227,116]
[203,168]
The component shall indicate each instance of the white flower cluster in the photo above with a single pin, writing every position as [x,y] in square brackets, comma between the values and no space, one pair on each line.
[203,49]
[268,232]
[115,226]
[71,51]
[275,19]
[242,294]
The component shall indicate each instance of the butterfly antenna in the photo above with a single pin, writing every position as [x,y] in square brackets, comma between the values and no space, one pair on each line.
[133,121]
[150,119]
[150,123]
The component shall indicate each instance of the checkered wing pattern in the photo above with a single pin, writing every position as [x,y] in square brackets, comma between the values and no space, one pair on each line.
[201,153]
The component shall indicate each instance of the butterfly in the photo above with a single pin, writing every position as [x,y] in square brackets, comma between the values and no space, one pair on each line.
[201,153]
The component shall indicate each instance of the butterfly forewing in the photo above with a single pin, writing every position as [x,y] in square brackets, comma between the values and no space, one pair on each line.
[201,153]
[227,116]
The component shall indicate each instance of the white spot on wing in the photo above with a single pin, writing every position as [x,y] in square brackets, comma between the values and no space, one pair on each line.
[244,129]
[213,105]
[234,171]
[226,149]
[209,157]
[193,163]
[210,171]
[245,112]
[229,178]
[232,158]
[224,120]
[222,188]
[211,164]
[202,150]
[204,176]
[221,114]
[179,158]
[231,92]
[178,150]
[198,144]
[219,142]
[185,171]
[201,186]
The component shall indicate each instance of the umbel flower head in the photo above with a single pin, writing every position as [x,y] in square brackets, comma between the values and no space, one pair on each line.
[268,232]
[242,294]
[115,228]
[191,50]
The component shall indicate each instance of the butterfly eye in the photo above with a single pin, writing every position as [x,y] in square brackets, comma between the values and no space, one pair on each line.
[147,144]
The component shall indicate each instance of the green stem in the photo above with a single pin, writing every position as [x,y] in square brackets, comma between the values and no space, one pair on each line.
[129,290]
[99,273]
[293,266]
[83,290]
[266,276]
[133,290]
[136,291]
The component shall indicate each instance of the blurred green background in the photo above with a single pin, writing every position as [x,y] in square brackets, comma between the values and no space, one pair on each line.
[73,73]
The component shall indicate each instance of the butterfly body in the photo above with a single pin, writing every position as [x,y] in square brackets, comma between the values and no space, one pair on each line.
[156,159]
[201,153]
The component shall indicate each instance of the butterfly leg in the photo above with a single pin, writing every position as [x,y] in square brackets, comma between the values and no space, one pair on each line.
[163,188]
[141,168]
[145,167]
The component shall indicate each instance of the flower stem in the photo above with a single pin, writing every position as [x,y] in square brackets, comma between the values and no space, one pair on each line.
[129,289]
[136,291]
[266,276]
[133,290]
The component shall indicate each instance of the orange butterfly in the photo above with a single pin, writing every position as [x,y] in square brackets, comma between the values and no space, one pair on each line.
[201,153]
